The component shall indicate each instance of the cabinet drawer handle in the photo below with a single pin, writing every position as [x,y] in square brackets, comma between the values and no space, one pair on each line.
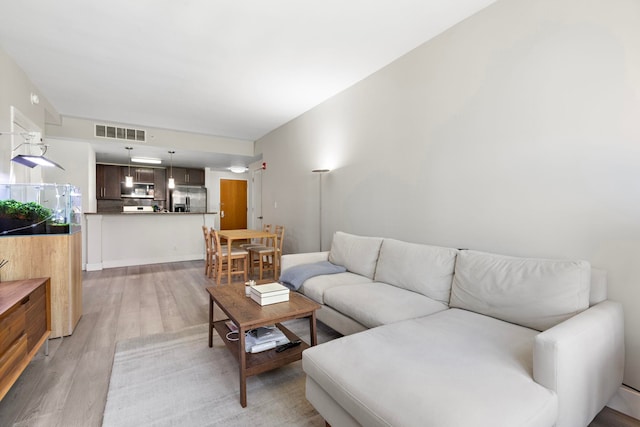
[25,300]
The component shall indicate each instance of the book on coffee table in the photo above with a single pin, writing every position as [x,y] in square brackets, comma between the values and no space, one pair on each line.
[270,293]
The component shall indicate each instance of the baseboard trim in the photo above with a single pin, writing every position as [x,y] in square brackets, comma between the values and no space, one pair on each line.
[627,401]
[147,261]
[93,267]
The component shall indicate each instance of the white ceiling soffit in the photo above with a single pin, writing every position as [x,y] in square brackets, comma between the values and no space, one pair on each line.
[229,68]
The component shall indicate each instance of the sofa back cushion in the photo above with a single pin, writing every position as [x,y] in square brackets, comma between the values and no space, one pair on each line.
[358,254]
[598,291]
[535,293]
[425,269]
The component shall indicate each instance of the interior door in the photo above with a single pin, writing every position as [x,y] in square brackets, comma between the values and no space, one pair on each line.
[233,204]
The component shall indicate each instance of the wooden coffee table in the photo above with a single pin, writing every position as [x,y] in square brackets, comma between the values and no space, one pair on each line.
[247,315]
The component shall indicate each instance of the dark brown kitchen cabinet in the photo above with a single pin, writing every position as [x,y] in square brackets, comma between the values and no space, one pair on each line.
[188,176]
[144,175]
[160,184]
[179,175]
[140,175]
[107,182]
[195,176]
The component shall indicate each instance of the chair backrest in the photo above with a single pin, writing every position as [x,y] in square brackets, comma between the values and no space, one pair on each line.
[264,241]
[280,236]
[215,241]
[207,238]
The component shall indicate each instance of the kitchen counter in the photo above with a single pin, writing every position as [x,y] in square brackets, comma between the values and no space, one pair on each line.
[133,238]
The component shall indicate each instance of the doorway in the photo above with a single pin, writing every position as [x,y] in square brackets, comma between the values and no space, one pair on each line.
[233,204]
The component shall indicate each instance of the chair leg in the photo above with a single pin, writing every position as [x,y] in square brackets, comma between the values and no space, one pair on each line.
[209,265]
[218,270]
[212,267]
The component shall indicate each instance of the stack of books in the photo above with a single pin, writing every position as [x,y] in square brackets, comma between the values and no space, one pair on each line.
[270,293]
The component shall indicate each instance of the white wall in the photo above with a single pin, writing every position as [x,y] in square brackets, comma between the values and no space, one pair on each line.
[15,91]
[514,132]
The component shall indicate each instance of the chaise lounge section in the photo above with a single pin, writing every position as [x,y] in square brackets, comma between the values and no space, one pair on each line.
[445,337]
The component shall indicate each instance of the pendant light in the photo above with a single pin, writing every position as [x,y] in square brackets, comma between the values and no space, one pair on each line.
[172,182]
[128,180]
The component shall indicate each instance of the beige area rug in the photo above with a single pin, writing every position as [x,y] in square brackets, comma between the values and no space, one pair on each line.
[175,379]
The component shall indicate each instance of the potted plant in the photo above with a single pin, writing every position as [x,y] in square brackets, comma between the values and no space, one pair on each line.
[22,217]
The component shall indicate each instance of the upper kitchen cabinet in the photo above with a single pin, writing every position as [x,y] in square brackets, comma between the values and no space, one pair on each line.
[160,184]
[145,175]
[107,182]
[195,176]
[140,175]
[188,176]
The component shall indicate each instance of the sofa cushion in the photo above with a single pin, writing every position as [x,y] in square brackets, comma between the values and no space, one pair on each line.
[536,293]
[453,368]
[315,287]
[357,253]
[375,304]
[420,268]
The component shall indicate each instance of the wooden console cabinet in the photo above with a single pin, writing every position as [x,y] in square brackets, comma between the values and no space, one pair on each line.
[25,324]
[58,256]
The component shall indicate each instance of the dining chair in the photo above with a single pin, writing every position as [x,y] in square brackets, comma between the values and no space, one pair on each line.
[209,251]
[268,256]
[224,262]
[258,242]
[211,246]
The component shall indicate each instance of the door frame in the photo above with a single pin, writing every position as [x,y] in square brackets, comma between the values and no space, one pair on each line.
[255,219]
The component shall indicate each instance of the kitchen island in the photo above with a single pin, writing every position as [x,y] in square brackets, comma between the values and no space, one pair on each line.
[126,239]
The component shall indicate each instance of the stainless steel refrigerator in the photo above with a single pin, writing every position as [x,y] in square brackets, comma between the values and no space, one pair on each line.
[186,198]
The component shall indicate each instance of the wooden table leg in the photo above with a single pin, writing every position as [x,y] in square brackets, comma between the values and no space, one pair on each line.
[243,369]
[312,329]
[210,321]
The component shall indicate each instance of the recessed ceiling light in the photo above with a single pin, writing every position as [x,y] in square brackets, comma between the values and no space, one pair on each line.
[238,169]
[146,160]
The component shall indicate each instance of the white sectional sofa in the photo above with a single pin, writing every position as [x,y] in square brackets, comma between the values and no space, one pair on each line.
[445,337]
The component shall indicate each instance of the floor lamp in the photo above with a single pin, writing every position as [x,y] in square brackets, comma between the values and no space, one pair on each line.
[320,171]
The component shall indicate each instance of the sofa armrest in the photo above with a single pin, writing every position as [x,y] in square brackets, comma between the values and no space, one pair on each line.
[291,260]
[582,360]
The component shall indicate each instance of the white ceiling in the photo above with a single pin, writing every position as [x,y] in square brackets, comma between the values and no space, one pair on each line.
[230,68]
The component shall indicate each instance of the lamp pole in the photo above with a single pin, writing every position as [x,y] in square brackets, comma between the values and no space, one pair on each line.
[320,172]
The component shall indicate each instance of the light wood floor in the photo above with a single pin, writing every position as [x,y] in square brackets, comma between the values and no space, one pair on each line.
[69,387]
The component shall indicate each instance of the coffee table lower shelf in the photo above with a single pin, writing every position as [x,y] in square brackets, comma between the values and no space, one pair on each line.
[257,363]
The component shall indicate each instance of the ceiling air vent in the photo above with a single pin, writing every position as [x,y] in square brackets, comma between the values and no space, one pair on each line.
[115,132]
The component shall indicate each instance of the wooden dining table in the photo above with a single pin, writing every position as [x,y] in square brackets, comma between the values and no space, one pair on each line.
[248,234]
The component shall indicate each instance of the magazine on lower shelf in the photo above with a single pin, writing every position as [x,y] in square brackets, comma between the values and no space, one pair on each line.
[264,338]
